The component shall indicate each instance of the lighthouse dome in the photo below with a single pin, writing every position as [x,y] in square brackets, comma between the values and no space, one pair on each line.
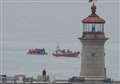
[93,18]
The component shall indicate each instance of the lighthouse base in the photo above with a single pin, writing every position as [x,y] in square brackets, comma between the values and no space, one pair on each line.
[95,78]
[96,82]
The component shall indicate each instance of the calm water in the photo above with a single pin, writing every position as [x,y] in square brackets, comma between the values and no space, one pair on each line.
[16,61]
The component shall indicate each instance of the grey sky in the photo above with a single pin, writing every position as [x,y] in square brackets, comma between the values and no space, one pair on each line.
[54,21]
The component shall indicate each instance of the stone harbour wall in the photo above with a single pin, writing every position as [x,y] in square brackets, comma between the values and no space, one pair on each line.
[86,82]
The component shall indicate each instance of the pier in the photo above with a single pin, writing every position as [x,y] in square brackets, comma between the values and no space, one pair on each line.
[66,82]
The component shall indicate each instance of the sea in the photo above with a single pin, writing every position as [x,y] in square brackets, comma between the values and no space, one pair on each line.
[15,60]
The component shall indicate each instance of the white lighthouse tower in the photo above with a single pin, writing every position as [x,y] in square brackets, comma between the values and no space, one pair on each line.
[93,54]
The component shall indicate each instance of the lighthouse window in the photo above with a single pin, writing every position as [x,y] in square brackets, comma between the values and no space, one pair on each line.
[98,28]
[93,54]
[87,27]
[102,26]
[93,28]
[83,27]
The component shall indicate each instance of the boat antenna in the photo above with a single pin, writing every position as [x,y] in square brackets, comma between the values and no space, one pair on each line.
[58,46]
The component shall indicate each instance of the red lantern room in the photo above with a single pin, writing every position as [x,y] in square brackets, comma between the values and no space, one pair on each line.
[93,24]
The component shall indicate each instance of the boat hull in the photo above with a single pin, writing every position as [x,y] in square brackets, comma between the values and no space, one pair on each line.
[37,51]
[66,54]
[37,54]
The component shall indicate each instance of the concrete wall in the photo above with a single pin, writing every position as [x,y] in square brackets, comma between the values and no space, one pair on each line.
[92,59]
[87,82]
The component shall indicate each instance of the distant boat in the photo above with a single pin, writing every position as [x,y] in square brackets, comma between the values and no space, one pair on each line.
[65,53]
[37,51]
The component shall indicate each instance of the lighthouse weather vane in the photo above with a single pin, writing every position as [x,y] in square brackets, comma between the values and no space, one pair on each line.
[92,1]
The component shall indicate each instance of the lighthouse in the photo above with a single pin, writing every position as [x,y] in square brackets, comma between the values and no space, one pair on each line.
[93,53]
